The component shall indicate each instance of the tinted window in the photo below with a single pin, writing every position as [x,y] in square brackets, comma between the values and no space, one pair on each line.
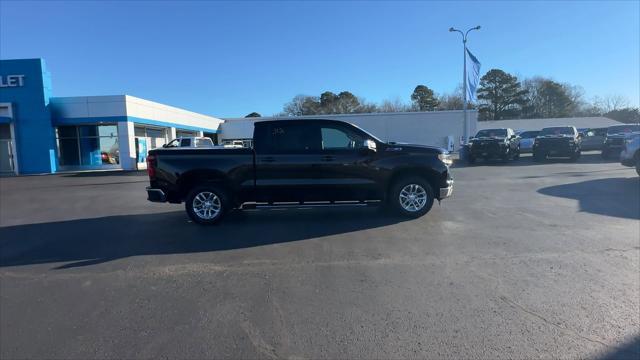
[492,133]
[529,134]
[623,129]
[557,131]
[294,138]
[337,138]
[185,142]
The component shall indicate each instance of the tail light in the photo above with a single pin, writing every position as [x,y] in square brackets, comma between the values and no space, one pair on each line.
[151,166]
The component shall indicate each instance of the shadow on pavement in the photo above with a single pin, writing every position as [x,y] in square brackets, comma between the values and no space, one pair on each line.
[618,197]
[90,174]
[630,350]
[527,160]
[93,241]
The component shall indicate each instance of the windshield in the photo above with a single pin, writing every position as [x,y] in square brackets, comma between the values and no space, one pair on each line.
[529,134]
[563,130]
[622,129]
[492,133]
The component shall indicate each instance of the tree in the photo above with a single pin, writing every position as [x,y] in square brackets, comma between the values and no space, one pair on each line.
[395,105]
[626,115]
[253,114]
[424,99]
[500,95]
[453,100]
[301,105]
[554,100]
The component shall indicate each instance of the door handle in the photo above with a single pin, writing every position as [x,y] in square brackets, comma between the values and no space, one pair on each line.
[327,158]
[267,159]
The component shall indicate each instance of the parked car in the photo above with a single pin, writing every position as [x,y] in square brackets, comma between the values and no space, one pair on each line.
[526,140]
[559,141]
[630,155]
[615,139]
[311,162]
[494,143]
[593,138]
[190,142]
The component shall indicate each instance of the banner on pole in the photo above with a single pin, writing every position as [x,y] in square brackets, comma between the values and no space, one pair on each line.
[473,76]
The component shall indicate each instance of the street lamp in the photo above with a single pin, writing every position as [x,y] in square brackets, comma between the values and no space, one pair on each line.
[467,127]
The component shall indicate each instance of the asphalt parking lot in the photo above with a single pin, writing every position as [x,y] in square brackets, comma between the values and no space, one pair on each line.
[526,260]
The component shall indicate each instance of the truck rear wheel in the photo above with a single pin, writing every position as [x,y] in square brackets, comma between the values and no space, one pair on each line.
[206,205]
[411,197]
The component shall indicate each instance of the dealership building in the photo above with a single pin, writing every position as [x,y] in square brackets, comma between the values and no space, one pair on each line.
[40,133]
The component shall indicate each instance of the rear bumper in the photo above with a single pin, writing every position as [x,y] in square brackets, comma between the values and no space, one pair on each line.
[156,195]
[446,192]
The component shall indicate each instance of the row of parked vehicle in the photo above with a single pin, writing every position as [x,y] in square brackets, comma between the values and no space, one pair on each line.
[557,142]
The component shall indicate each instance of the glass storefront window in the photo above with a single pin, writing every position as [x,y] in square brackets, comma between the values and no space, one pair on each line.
[88,145]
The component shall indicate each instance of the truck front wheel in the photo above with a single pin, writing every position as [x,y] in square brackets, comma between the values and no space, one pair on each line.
[411,197]
[206,205]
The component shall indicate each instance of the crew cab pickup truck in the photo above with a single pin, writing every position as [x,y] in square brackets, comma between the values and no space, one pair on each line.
[494,143]
[614,141]
[558,141]
[293,162]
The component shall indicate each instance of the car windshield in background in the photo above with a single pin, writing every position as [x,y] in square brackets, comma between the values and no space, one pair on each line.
[623,129]
[556,131]
[529,134]
[492,133]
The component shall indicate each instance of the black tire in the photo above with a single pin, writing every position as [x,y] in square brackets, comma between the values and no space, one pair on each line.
[394,200]
[605,154]
[222,202]
[638,164]
[505,157]
[517,155]
[539,157]
[575,156]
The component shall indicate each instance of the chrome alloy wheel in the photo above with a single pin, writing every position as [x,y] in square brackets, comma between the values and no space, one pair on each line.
[413,197]
[206,205]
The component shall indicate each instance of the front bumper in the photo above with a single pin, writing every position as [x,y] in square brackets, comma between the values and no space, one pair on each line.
[156,195]
[446,192]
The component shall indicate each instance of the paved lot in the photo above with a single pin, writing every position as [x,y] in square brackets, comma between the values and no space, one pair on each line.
[526,260]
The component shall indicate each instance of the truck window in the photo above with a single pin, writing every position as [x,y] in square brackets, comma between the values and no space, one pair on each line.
[185,142]
[293,138]
[334,138]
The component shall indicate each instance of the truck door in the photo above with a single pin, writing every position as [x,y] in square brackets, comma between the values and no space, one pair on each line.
[287,160]
[346,164]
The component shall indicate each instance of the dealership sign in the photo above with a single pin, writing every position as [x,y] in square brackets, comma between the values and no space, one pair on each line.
[11,81]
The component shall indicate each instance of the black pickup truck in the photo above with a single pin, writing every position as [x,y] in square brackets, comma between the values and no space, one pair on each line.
[558,141]
[494,143]
[293,162]
[614,140]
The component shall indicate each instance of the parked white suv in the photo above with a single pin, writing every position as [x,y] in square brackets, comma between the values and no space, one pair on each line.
[630,155]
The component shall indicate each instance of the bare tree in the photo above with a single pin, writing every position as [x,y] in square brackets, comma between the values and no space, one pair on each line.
[613,103]
[395,105]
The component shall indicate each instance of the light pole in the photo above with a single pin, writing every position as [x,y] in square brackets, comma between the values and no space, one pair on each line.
[467,125]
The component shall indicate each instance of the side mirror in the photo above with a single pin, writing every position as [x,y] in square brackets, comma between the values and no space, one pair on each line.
[369,146]
[514,136]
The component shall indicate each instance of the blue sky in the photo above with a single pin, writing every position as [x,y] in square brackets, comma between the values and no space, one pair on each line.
[231,58]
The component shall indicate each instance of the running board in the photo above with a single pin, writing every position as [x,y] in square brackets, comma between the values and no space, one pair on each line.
[298,205]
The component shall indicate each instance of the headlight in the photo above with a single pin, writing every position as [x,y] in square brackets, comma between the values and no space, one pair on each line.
[446,159]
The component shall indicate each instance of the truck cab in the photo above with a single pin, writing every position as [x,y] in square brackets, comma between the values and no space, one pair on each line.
[310,162]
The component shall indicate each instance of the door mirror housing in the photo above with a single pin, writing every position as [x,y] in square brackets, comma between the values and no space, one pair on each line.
[370,145]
